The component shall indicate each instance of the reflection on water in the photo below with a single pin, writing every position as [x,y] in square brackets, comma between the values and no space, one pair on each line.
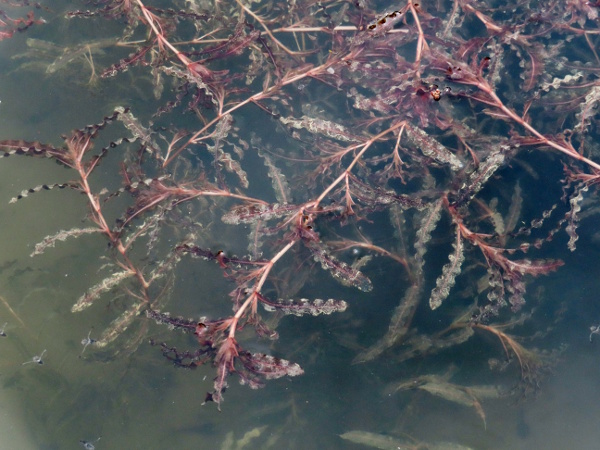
[449,383]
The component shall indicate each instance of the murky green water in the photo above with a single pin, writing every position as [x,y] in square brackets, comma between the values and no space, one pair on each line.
[136,399]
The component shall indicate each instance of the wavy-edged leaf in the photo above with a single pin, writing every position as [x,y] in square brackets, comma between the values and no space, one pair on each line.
[305,306]
[344,273]
[120,324]
[573,218]
[428,223]
[104,286]
[398,328]
[478,178]
[321,127]
[431,148]
[448,277]
[256,212]
[278,180]
[62,235]
[139,132]
[223,158]
[42,187]
[269,367]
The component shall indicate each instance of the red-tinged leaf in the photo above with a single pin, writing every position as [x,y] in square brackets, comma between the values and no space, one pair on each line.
[224,361]
[9,26]
[533,69]
[534,268]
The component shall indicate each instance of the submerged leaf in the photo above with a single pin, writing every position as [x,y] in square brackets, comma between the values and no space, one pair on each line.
[448,277]
[341,271]
[104,286]
[431,148]
[62,235]
[305,306]
[384,442]
[462,395]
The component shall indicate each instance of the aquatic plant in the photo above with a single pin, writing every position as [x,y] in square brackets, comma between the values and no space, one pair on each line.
[404,120]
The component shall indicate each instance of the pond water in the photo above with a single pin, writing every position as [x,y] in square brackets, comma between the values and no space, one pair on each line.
[128,395]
